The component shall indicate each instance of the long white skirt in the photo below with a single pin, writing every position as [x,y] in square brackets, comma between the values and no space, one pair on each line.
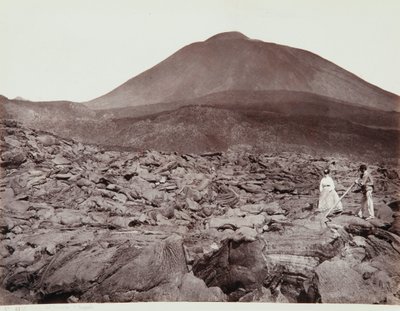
[328,199]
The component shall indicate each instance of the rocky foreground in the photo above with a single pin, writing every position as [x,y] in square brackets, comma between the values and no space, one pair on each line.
[81,224]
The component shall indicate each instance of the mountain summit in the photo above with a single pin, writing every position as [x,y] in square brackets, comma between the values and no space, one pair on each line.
[231,91]
[231,35]
[232,62]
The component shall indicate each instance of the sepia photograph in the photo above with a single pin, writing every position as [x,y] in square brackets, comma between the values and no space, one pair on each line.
[241,153]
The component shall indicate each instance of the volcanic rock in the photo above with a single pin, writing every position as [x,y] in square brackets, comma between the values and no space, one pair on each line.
[181,227]
[13,158]
[47,140]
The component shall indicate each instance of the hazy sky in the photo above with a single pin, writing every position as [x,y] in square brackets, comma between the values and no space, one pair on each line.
[78,50]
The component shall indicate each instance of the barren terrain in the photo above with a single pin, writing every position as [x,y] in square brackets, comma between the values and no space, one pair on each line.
[82,224]
[198,179]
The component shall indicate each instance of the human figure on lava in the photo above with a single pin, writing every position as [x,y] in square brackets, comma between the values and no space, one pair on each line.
[366,184]
[328,198]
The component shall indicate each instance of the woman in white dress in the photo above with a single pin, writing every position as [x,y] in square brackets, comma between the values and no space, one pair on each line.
[328,197]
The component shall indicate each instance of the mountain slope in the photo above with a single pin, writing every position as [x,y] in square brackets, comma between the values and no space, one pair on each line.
[233,62]
[230,91]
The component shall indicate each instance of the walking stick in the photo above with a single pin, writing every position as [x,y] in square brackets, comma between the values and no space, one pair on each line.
[352,185]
